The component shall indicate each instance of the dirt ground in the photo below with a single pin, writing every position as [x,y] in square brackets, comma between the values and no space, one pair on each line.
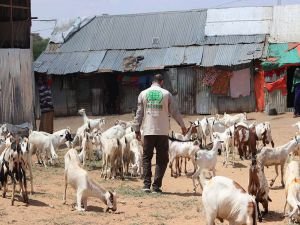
[178,204]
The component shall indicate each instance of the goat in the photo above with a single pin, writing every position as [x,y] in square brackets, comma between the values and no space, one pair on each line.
[45,144]
[136,150]
[206,160]
[203,129]
[112,154]
[241,140]
[127,155]
[225,199]
[94,123]
[26,156]
[87,145]
[227,138]
[292,180]
[229,120]
[192,129]
[258,186]
[277,156]
[85,187]
[179,148]
[263,132]
[117,131]
[12,164]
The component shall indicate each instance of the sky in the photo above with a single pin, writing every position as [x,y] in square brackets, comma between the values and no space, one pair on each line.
[68,9]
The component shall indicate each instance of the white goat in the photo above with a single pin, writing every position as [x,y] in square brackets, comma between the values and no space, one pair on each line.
[225,199]
[117,131]
[87,145]
[94,123]
[125,149]
[227,146]
[264,134]
[85,187]
[41,145]
[136,150]
[112,154]
[203,129]
[277,156]
[182,149]
[230,120]
[206,160]
[292,181]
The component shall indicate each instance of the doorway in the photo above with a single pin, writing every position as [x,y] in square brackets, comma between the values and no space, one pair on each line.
[290,94]
[112,104]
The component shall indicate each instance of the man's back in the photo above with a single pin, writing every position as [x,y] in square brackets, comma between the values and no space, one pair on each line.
[156,102]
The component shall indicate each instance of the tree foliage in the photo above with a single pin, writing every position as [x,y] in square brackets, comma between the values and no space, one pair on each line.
[39,45]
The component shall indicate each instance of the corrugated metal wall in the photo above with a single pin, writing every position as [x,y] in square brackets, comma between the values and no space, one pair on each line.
[186,78]
[275,100]
[205,101]
[16,86]
[129,95]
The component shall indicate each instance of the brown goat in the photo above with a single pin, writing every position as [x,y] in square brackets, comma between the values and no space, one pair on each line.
[258,186]
[241,139]
[252,141]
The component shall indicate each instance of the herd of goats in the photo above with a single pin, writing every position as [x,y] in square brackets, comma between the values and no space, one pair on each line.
[121,153]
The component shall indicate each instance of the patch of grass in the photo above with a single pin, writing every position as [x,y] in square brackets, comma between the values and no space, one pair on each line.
[130,191]
[161,216]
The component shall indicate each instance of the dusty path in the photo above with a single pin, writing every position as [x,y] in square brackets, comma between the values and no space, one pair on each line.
[177,206]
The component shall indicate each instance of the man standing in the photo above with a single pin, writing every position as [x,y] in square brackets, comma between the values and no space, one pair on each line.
[46,105]
[154,106]
[296,89]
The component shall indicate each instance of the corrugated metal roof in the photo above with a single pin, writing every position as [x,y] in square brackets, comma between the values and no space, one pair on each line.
[137,31]
[228,55]
[92,62]
[234,39]
[112,60]
[238,21]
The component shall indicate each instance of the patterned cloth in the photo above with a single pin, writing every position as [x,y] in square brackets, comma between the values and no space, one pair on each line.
[210,76]
[222,83]
[46,103]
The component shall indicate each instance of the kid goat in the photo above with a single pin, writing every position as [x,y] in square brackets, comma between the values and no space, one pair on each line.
[85,187]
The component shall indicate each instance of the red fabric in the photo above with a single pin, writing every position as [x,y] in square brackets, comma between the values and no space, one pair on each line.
[279,84]
[222,83]
[259,83]
[49,82]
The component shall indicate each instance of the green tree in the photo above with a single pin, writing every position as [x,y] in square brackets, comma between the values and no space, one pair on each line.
[39,45]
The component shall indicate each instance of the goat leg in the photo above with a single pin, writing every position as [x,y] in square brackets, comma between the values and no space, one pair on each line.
[13,193]
[281,170]
[273,180]
[258,211]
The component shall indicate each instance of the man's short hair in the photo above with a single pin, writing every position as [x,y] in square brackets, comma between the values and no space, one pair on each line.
[158,78]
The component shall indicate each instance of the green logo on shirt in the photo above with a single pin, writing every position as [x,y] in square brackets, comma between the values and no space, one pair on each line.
[154,99]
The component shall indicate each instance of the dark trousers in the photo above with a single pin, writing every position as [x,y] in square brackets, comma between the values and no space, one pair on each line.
[161,144]
[297,100]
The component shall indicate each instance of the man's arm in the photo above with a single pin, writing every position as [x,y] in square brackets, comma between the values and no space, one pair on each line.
[173,109]
[138,119]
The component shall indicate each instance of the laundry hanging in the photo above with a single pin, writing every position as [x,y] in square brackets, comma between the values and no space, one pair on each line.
[221,85]
[240,83]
